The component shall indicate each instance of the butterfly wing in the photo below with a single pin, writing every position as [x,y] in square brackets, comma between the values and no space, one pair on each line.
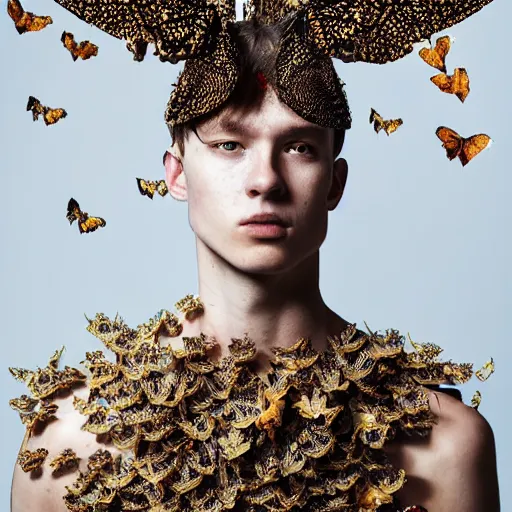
[89,224]
[436,56]
[74,211]
[52,115]
[457,84]
[451,140]
[180,29]
[161,188]
[146,188]
[392,125]
[35,106]
[377,120]
[381,31]
[472,146]
[68,40]
[86,50]
[26,21]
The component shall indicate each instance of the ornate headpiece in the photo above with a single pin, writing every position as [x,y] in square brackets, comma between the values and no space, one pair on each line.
[201,32]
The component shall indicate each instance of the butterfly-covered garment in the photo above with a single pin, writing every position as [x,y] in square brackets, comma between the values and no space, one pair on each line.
[198,433]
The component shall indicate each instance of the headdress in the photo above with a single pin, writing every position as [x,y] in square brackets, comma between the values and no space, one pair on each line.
[201,33]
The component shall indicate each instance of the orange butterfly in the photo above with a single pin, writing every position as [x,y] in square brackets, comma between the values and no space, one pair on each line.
[436,56]
[26,21]
[86,224]
[50,115]
[380,124]
[148,188]
[457,146]
[457,84]
[85,50]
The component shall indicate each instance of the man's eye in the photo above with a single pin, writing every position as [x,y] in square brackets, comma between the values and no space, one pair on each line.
[228,143]
[304,149]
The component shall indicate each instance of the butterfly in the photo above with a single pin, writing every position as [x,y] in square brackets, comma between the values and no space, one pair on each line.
[486,371]
[457,146]
[380,124]
[26,21]
[476,399]
[457,84]
[86,224]
[436,56]
[50,115]
[148,188]
[85,50]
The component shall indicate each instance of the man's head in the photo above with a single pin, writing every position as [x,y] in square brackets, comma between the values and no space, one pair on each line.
[255,155]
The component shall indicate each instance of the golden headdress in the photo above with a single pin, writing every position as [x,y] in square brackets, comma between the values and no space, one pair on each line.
[201,32]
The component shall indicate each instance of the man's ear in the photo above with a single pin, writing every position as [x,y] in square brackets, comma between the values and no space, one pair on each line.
[339,180]
[174,176]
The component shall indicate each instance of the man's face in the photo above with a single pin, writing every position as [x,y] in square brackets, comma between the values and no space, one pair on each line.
[263,160]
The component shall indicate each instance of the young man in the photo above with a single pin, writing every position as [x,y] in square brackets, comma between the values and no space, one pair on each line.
[260,185]
[260,181]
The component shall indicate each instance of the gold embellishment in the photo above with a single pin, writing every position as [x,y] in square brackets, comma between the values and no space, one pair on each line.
[214,435]
[65,462]
[32,460]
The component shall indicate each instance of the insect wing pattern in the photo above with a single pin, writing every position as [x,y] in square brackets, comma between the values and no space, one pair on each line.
[26,21]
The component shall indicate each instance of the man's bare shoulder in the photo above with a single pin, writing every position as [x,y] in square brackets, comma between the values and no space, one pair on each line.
[454,467]
[40,490]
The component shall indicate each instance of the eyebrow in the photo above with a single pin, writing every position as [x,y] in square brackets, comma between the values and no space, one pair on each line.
[227,125]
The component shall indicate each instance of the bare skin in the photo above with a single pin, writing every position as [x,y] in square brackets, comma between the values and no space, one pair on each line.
[269,289]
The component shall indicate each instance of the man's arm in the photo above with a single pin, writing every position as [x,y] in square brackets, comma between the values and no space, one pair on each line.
[454,468]
[40,491]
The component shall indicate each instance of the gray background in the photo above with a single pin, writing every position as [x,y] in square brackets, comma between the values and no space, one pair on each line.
[418,243]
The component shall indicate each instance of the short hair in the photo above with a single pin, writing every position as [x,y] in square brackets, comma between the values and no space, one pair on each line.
[257,43]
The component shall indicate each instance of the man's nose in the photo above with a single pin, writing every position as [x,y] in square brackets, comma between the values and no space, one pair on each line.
[264,178]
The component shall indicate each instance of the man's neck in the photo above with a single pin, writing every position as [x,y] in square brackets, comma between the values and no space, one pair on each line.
[273,310]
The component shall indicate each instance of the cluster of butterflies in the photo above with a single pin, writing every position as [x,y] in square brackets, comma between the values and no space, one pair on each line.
[28,22]
[458,84]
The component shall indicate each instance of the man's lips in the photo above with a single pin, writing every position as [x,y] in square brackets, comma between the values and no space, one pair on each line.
[265,218]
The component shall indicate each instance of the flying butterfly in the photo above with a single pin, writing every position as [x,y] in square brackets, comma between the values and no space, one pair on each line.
[85,50]
[476,399]
[26,21]
[148,188]
[50,115]
[379,123]
[436,56]
[457,84]
[86,224]
[457,146]
[486,371]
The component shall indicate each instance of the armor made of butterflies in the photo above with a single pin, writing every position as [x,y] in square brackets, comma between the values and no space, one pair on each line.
[199,31]
[197,433]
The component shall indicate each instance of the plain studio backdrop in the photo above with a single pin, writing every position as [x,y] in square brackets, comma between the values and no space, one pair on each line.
[418,243]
